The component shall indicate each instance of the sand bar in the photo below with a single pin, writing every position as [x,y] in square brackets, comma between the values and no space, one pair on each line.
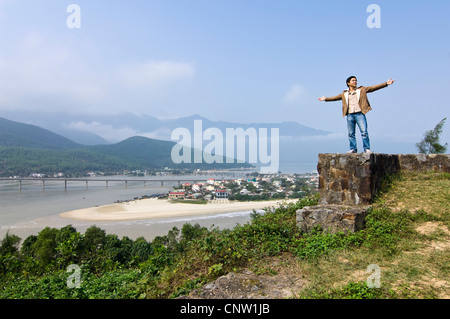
[160,208]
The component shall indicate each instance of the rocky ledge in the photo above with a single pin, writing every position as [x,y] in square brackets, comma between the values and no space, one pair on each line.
[280,282]
[331,218]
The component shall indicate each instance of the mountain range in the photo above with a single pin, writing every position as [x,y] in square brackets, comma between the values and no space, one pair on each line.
[299,144]
[26,149]
[90,129]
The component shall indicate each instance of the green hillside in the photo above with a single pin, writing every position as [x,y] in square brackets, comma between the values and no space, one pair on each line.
[146,154]
[27,149]
[140,151]
[26,135]
[23,161]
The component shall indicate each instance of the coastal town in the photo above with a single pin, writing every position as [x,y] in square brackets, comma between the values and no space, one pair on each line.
[222,185]
[251,187]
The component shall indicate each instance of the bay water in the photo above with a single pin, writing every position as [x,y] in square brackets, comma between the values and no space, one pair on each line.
[27,211]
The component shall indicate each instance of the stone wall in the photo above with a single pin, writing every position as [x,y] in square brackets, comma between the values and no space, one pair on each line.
[331,218]
[354,179]
[349,182]
[423,162]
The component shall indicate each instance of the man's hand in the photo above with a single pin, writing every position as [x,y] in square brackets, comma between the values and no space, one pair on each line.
[390,81]
[322,98]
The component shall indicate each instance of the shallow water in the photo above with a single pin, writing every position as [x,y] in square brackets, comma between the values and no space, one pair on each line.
[28,211]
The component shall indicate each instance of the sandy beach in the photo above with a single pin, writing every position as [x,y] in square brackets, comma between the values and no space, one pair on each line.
[153,208]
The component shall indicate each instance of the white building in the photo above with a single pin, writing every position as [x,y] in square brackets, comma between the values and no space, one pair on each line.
[221,194]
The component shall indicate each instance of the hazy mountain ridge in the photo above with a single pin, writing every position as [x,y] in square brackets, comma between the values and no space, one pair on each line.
[298,144]
[26,149]
[103,129]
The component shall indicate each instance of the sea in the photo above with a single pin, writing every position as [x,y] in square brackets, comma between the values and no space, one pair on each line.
[28,209]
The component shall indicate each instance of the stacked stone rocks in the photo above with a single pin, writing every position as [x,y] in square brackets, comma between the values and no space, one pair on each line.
[348,184]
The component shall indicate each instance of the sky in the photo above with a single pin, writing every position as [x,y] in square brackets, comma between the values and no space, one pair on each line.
[243,61]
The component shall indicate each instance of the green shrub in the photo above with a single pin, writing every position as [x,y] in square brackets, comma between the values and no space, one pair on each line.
[352,290]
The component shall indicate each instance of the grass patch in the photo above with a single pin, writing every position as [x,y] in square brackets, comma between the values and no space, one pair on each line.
[415,191]
[189,201]
[352,290]
[406,235]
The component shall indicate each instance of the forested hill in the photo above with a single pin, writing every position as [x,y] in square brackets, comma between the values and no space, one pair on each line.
[27,149]
[25,135]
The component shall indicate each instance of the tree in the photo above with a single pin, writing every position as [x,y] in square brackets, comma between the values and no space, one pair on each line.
[94,239]
[44,248]
[430,143]
[9,244]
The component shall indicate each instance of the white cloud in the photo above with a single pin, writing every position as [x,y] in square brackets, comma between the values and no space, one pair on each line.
[49,76]
[295,94]
[151,86]
[144,75]
[159,134]
[37,73]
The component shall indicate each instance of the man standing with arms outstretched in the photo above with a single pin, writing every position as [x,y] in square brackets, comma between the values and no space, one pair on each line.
[355,105]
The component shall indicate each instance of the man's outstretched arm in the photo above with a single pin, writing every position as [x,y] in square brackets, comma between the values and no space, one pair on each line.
[333,98]
[379,86]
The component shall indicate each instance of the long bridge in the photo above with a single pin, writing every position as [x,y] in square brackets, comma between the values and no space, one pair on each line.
[125,181]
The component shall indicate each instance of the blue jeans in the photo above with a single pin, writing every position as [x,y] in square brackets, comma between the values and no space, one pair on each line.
[360,119]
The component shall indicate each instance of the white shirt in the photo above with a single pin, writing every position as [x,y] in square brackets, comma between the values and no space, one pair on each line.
[353,103]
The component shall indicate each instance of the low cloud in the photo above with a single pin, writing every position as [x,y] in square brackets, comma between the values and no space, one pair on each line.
[108,132]
[159,134]
[114,134]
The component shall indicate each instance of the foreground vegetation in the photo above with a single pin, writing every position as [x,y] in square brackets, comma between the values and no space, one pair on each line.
[406,235]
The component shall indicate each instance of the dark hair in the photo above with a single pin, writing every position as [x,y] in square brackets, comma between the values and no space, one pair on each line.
[349,78]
